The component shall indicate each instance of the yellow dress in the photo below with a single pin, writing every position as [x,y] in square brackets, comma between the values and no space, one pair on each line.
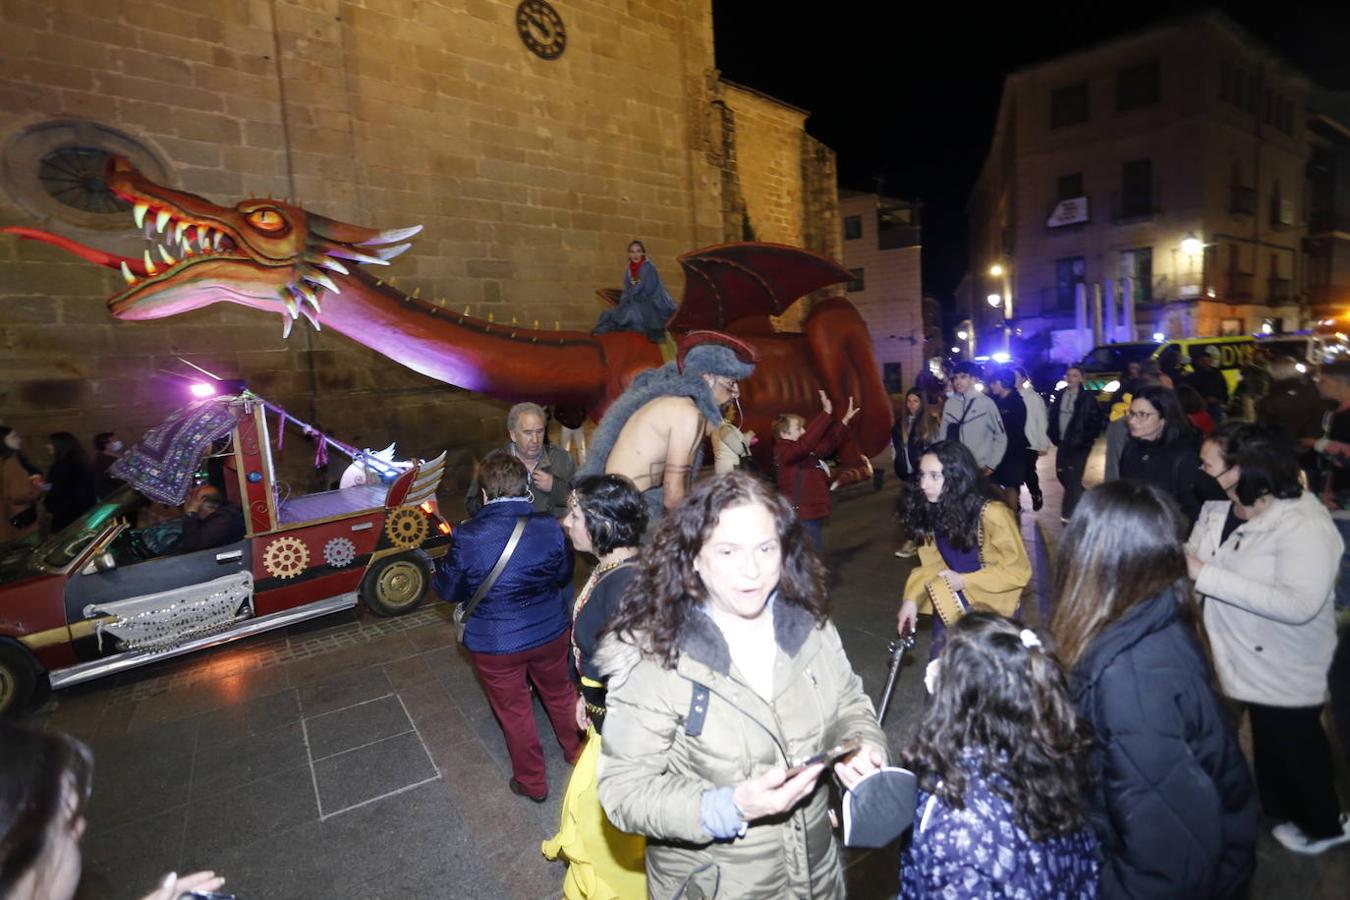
[603,863]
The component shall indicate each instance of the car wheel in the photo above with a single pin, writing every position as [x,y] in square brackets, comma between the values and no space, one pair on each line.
[18,677]
[397,585]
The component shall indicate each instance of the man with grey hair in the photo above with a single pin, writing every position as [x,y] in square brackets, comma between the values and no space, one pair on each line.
[551,469]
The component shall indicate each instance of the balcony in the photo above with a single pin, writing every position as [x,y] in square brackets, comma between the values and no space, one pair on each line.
[1241,200]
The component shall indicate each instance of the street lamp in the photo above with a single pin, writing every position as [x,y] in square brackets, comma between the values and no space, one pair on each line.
[962,335]
[995,300]
[1192,245]
[996,270]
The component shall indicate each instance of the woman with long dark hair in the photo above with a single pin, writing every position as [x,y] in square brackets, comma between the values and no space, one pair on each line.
[1265,560]
[916,428]
[1002,761]
[21,486]
[1172,801]
[45,784]
[645,305]
[970,549]
[74,488]
[1163,449]
[606,517]
[724,670]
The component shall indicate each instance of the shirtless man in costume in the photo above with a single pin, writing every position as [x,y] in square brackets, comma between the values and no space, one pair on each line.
[652,434]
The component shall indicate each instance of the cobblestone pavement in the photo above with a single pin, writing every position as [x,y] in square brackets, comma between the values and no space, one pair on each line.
[355,757]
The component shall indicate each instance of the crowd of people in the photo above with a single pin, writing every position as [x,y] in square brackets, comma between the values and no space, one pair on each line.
[694,680]
[32,500]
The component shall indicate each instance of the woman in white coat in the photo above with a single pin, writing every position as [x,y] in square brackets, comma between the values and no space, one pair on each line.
[1265,562]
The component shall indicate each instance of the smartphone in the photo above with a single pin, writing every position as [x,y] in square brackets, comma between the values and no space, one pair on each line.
[841,749]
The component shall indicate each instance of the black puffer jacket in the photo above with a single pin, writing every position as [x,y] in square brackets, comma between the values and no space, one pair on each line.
[1085,423]
[1174,468]
[1172,804]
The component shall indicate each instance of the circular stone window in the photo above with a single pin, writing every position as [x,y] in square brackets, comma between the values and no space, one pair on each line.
[55,171]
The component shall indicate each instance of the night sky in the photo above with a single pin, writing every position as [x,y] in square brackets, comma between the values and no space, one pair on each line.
[907,99]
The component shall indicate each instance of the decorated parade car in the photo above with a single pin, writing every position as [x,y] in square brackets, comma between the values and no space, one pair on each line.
[101,596]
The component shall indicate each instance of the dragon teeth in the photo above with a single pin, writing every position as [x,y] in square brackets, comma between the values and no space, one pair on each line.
[139,211]
[178,230]
[161,219]
[202,234]
[216,238]
[126,273]
[164,255]
[149,264]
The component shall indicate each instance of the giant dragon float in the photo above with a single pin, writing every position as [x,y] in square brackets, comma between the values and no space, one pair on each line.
[279,258]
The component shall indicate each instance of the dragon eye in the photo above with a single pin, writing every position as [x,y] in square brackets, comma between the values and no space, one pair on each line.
[268,220]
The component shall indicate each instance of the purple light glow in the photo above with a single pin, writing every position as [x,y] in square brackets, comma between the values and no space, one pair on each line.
[201,390]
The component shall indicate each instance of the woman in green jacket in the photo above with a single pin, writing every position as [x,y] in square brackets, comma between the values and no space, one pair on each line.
[724,671]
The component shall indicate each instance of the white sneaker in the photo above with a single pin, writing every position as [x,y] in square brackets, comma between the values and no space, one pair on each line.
[1294,839]
[907,551]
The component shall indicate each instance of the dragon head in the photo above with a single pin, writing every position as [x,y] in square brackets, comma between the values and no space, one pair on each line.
[265,254]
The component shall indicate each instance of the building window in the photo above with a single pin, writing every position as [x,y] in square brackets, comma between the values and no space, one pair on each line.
[1069,105]
[1069,273]
[1230,327]
[1136,190]
[1068,187]
[1137,86]
[1137,265]
[857,283]
[852,228]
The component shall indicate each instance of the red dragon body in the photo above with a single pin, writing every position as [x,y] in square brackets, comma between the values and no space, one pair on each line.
[280,258]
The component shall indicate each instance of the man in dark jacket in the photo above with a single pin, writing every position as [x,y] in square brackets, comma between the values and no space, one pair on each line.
[1294,405]
[798,451]
[1075,422]
[1010,473]
[550,468]
[1210,384]
[208,521]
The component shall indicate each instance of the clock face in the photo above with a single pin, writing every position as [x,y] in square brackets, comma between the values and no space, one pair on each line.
[541,28]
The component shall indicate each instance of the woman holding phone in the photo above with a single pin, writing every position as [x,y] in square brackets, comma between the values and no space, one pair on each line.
[724,670]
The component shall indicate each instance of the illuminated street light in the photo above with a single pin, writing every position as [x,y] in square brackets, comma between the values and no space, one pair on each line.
[956,349]
[1192,245]
[963,335]
[995,300]
[996,270]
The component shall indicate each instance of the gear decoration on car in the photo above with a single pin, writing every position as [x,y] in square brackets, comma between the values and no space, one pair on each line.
[339,552]
[286,557]
[407,527]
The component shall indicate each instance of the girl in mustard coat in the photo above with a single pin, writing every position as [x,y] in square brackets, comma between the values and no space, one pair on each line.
[971,550]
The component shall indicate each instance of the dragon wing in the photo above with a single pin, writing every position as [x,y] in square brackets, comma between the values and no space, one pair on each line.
[727,282]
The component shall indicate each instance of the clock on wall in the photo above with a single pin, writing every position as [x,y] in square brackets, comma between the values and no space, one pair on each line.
[541,28]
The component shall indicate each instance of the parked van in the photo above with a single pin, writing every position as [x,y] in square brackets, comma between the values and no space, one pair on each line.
[1310,349]
[1104,368]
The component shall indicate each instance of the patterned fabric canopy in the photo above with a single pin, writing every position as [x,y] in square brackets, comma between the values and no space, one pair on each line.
[162,464]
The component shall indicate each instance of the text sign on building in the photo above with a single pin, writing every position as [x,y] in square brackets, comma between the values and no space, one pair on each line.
[1073,211]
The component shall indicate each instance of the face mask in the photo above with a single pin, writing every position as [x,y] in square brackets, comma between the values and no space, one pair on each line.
[13,441]
[115,447]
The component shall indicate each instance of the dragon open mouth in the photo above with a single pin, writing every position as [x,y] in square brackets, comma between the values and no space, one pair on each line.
[177,240]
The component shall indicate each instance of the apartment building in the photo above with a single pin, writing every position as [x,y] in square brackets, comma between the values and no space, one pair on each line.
[882,245]
[1153,185]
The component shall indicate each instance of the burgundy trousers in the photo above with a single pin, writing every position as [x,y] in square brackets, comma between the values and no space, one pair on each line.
[503,677]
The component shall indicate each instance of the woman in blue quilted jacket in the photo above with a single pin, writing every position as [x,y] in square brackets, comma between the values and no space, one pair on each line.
[520,631]
[1172,802]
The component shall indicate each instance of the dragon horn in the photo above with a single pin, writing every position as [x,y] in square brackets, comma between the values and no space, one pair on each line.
[317,276]
[332,265]
[393,235]
[341,232]
[388,253]
[345,252]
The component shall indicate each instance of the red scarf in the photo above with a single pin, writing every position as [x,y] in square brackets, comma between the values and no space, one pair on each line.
[633,269]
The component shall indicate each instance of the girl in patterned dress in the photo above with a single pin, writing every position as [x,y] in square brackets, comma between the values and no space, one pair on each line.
[1002,761]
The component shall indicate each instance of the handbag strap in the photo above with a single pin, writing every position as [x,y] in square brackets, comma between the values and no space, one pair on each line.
[496,572]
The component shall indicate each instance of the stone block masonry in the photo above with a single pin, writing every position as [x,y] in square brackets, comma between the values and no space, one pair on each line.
[529,177]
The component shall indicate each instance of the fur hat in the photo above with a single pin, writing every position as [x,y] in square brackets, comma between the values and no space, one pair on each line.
[715,353]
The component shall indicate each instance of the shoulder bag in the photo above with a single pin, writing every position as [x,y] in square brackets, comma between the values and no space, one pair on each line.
[464,610]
